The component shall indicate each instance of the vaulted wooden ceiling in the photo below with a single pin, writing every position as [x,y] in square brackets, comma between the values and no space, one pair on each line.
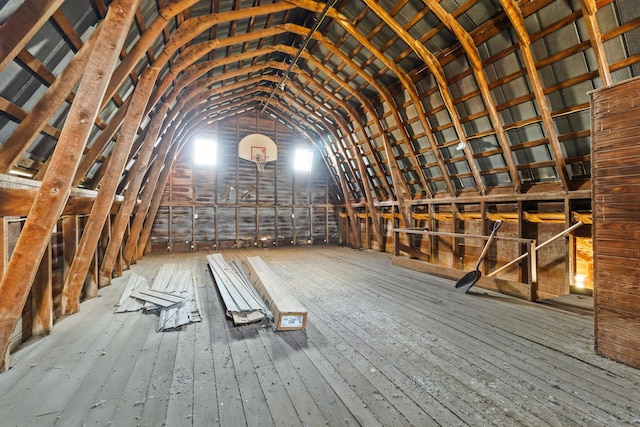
[408,101]
[425,98]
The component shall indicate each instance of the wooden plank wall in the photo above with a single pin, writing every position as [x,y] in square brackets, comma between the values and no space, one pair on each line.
[616,208]
[231,205]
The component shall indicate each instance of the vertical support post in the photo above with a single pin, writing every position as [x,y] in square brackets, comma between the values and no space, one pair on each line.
[396,240]
[484,230]
[70,237]
[93,277]
[193,227]
[367,228]
[275,225]
[4,259]
[310,224]
[237,210]
[458,244]
[169,223]
[215,225]
[432,238]
[533,270]
[105,236]
[257,236]
[524,272]
[42,297]
[569,247]
[294,231]
[4,244]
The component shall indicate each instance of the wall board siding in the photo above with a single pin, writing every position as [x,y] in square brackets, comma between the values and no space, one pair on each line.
[232,205]
[616,197]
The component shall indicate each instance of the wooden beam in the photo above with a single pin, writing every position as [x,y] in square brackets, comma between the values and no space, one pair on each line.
[182,35]
[122,220]
[92,154]
[513,12]
[37,119]
[589,9]
[4,260]
[436,69]
[155,201]
[108,185]
[473,55]
[129,253]
[22,25]
[56,185]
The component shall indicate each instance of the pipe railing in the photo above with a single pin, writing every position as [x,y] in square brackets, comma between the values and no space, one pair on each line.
[530,254]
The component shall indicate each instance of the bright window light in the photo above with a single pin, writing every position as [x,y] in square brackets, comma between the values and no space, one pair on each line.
[204,152]
[303,160]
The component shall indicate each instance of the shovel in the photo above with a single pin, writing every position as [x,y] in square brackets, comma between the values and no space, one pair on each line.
[470,279]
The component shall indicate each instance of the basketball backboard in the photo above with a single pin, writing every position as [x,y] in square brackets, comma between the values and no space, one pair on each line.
[257,148]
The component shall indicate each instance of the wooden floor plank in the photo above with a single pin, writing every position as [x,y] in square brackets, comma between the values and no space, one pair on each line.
[287,374]
[349,393]
[205,403]
[251,396]
[333,410]
[439,376]
[46,399]
[384,346]
[230,406]
[129,386]
[114,360]
[180,405]
[158,393]
[565,372]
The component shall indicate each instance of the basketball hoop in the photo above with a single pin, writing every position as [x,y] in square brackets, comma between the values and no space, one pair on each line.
[260,160]
[259,149]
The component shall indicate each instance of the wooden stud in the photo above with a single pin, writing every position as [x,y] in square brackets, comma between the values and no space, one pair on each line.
[42,297]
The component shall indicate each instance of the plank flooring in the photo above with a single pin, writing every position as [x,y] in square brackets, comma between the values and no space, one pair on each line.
[384,346]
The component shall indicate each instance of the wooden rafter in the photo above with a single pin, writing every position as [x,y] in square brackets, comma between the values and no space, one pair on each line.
[436,69]
[512,9]
[108,186]
[470,49]
[589,9]
[23,24]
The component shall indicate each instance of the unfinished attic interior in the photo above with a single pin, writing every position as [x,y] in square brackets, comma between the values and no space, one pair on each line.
[364,162]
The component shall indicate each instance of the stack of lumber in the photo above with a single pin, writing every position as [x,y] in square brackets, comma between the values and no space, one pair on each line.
[127,302]
[288,312]
[241,300]
[173,294]
[178,280]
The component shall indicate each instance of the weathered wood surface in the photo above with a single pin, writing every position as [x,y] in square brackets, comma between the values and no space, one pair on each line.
[616,221]
[288,312]
[383,346]
[235,204]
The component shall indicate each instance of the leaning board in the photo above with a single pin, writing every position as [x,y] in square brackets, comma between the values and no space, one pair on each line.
[288,313]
